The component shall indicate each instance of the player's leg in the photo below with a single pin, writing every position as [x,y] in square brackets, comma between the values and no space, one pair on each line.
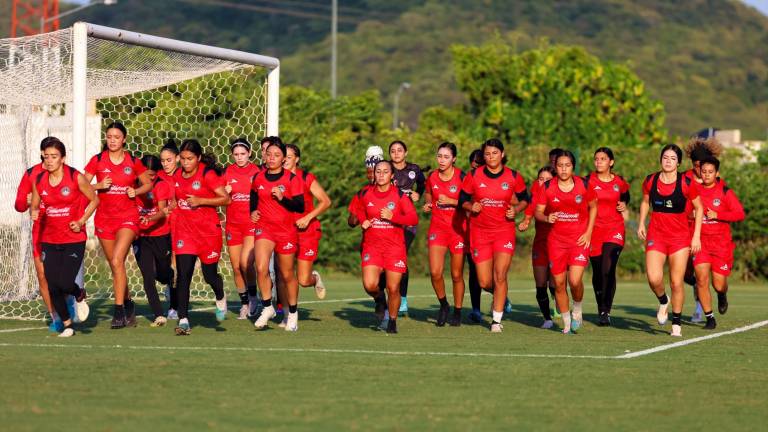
[286,264]
[541,277]
[185,268]
[654,270]
[576,282]
[410,235]
[123,240]
[394,283]
[145,259]
[678,261]
[238,276]
[457,280]
[263,249]
[703,270]
[436,268]
[163,270]
[501,263]
[248,268]
[371,275]
[611,253]
[474,290]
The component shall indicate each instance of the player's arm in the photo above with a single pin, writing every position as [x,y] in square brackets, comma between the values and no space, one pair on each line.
[34,204]
[93,199]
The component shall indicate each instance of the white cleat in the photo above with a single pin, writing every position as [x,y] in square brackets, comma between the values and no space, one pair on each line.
[496,328]
[266,314]
[698,314]
[243,312]
[662,314]
[292,322]
[677,331]
[548,324]
[319,286]
[172,314]
[68,332]
[82,310]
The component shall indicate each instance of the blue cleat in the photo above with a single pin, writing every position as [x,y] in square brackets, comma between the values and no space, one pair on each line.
[56,326]
[403,306]
[507,306]
[575,324]
[221,314]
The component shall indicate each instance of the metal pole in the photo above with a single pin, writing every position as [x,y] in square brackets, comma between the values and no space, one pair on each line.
[273,102]
[334,28]
[79,93]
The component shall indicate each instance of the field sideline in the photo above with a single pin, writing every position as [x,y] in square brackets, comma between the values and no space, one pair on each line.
[338,372]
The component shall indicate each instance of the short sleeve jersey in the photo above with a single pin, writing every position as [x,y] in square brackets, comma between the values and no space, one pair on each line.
[202,220]
[62,204]
[446,218]
[273,215]
[670,204]
[114,202]
[25,187]
[571,208]
[307,178]
[383,233]
[495,192]
[722,200]
[608,197]
[409,179]
[148,207]
[240,179]
[537,197]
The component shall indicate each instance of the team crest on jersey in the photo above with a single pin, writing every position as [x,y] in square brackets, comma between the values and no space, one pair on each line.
[615,188]
[65,191]
[579,199]
[505,186]
[196,185]
[127,170]
[432,236]
[412,175]
[716,202]
[366,257]
[180,244]
[282,188]
[453,188]
[391,205]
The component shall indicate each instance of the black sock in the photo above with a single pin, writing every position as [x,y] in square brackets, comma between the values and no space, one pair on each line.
[676,318]
[543,300]
[709,314]
[267,302]
[293,308]
[243,297]
[252,290]
[457,311]
[720,296]
[663,299]
[443,302]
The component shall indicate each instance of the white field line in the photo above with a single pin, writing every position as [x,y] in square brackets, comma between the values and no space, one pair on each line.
[23,329]
[692,341]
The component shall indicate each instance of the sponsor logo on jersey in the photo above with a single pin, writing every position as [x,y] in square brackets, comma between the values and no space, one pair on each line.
[668,204]
[716,202]
[615,188]
[579,199]
[400,264]
[505,186]
[370,204]
[127,170]
[65,191]
[482,185]
[581,257]
[288,246]
[509,245]
[412,175]
[391,205]
[432,236]
[618,236]
[212,255]
[366,257]
[196,185]
[180,244]
[453,188]
[176,184]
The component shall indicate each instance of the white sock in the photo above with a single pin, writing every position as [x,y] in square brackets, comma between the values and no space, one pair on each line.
[566,320]
[221,304]
[577,309]
[184,321]
[497,316]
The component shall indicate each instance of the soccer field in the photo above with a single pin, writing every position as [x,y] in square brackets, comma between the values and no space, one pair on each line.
[338,372]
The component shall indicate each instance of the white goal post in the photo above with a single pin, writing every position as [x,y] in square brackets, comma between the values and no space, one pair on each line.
[72,82]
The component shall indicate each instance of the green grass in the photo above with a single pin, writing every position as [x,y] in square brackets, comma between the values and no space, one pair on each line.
[224,377]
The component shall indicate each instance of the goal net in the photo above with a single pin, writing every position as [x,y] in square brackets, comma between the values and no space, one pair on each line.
[73,82]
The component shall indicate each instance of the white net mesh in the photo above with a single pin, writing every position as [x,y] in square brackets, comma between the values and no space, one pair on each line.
[158,95]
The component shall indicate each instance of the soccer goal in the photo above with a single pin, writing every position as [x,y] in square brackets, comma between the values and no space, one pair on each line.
[73,82]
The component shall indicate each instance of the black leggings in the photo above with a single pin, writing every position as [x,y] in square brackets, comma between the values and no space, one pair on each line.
[153,255]
[409,237]
[185,266]
[474,285]
[604,276]
[61,262]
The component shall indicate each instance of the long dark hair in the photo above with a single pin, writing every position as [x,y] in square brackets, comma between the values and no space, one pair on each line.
[192,145]
[152,162]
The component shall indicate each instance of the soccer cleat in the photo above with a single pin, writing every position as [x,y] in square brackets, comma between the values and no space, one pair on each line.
[172,314]
[118,319]
[442,316]
[662,314]
[266,314]
[159,322]
[548,324]
[56,326]
[496,327]
[455,320]
[722,303]
[221,314]
[71,308]
[507,306]
[711,324]
[568,332]
[183,329]
[698,314]
[384,324]
[403,306]
[604,320]
[292,322]
[476,316]
[244,312]
[319,285]
[677,331]
[392,327]
[380,308]
[130,313]
[81,307]
[67,332]
[575,321]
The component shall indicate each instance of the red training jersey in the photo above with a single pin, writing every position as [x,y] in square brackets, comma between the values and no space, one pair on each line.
[307,178]
[62,204]
[202,220]
[240,179]
[608,196]
[542,228]
[274,216]
[25,187]
[495,192]
[386,234]
[571,208]
[446,218]
[669,204]
[148,207]
[720,199]
[114,202]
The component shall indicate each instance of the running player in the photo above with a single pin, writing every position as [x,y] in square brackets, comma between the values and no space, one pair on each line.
[539,255]
[385,211]
[307,222]
[60,192]
[276,196]
[721,208]
[239,228]
[169,158]
[117,220]
[447,231]
[494,195]
[572,208]
[612,193]
[153,247]
[475,160]
[409,178]
[199,189]
[666,194]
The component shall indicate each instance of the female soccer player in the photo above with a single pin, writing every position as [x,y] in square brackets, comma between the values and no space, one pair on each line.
[539,255]
[666,194]
[475,160]
[307,222]
[572,208]
[612,193]
[276,196]
[199,189]
[169,158]
[117,220]
[239,228]
[153,247]
[447,230]
[60,191]
[409,178]
[721,208]
[385,211]
[494,195]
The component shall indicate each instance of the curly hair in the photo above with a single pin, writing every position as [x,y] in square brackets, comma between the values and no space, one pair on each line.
[699,148]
